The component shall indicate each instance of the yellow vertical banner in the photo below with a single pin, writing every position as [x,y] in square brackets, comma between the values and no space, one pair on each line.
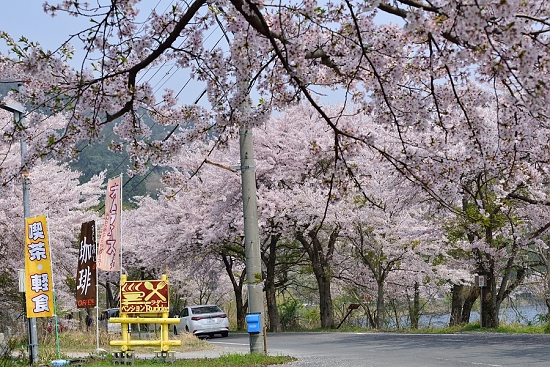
[38,268]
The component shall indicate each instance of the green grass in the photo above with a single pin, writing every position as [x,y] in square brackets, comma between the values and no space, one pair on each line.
[227,360]
[475,327]
[472,327]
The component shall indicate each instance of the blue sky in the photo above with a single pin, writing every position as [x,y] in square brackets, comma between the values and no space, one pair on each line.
[27,18]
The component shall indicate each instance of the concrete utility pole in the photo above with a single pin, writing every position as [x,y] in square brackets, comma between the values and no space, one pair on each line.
[18,110]
[251,236]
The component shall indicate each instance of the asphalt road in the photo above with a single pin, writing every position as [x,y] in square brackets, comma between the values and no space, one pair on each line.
[411,350]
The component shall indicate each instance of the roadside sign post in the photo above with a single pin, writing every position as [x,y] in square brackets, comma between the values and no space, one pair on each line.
[480,282]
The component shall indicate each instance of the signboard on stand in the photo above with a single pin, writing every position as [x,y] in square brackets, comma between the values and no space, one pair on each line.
[144,296]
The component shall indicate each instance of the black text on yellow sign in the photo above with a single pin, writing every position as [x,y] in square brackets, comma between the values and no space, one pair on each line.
[38,268]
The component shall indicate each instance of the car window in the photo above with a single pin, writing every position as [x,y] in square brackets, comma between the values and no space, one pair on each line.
[185,312]
[107,314]
[205,309]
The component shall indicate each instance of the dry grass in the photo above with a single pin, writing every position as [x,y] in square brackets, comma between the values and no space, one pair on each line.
[79,341]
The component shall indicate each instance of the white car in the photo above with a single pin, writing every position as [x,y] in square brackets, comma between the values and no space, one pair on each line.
[203,320]
[105,316]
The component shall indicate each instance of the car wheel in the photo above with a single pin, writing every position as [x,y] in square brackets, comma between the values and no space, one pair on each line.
[175,330]
[211,336]
[225,334]
[186,328]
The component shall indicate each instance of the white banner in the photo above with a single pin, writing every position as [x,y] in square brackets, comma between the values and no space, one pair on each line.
[108,257]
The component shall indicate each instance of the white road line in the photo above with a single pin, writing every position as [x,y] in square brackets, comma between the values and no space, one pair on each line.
[228,343]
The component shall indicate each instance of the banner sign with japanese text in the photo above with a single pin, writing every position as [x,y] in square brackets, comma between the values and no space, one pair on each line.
[109,244]
[86,270]
[38,269]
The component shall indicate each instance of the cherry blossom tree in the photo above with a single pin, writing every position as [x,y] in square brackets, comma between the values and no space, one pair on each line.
[407,72]
[492,182]
[459,86]
[55,191]
[385,235]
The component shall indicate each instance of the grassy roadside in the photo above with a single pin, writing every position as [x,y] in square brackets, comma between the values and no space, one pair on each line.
[472,327]
[227,360]
[71,342]
[85,344]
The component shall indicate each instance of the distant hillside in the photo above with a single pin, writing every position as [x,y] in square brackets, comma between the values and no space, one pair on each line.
[5,88]
[96,157]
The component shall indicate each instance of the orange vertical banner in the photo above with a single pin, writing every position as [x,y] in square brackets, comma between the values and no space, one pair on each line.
[108,256]
[38,268]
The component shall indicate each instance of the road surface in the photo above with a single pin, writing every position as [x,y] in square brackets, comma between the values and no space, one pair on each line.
[411,350]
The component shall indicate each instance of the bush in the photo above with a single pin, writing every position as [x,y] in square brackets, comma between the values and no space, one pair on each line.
[289,312]
[10,354]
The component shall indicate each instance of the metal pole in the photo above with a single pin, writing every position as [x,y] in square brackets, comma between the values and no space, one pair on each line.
[33,335]
[251,234]
[481,323]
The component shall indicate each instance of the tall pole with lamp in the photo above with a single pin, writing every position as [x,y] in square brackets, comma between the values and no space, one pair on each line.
[18,110]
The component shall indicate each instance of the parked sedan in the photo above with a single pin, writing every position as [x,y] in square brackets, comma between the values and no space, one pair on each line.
[203,320]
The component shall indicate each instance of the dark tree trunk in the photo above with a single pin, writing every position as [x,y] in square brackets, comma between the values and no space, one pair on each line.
[456,305]
[270,287]
[489,304]
[320,257]
[110,301]
[325,302]
[414,310]
[380,306]
[472,294]
[237,284]
[370,316]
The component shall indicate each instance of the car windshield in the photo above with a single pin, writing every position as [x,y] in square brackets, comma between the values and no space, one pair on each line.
[205,309]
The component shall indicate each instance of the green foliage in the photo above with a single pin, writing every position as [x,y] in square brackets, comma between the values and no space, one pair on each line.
[289,313]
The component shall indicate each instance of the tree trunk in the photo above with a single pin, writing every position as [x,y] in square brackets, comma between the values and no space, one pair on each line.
[110,301]
[320,257]
[469,301]
[325,302]
[488,293]
[489,305]
[462,302]
[241,311]
[237,284]
[456,305]
[414,311]
[272,310]
[270,287]
[380,311]
[547,292]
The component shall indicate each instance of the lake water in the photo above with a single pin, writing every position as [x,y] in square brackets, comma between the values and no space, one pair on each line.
[528,314]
